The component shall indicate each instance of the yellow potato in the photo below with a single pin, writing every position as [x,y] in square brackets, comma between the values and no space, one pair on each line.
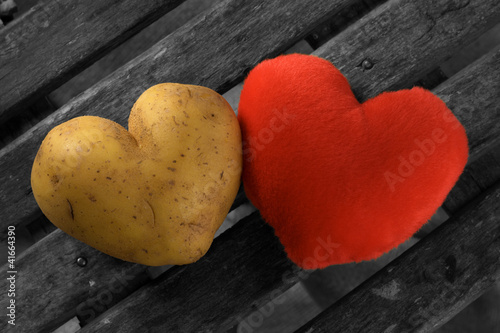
[153,195]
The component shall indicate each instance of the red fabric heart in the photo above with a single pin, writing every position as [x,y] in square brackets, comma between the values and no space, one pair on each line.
[341,181]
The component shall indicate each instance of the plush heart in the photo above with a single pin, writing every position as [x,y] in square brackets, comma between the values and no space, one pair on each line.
[342,181]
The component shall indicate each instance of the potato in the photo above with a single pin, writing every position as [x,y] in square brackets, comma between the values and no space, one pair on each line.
[153,195]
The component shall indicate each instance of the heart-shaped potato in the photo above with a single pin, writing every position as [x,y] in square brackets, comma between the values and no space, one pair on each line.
[153,195]
[342,181]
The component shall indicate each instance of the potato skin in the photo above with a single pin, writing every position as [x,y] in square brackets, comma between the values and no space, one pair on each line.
[153,195]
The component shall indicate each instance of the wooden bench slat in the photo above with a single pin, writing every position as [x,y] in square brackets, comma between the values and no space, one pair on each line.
[429,283]
[476,178]
[51,285]
[233,274]
[57,39]
[404,40]
[82,291]
[166,309]
[482,120]
[201,52]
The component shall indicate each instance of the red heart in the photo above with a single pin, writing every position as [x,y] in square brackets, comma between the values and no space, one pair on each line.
[341,181]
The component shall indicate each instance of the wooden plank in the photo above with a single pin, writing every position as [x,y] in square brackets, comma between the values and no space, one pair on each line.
[50,284]
[201,52]
[69,289]
[119,318]
[323,33]
[57,39]
[110,62]
[429,283]
[476,178]
[481,120]
[130,49]
[25,5]
[482,126]
[23,121]
[234,273]
[419,34]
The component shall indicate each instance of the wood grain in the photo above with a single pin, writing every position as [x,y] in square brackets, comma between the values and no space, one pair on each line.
[50,285]
[57,39]
[480,83]
[323,33]
[429,283]
[68,289]
[130,49]
[216,49]
[405,40]
[242,267]
[482,125]
[476,178]
[101,68]
[22,122]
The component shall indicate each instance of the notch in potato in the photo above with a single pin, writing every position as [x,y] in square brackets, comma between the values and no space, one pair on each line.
[155,194]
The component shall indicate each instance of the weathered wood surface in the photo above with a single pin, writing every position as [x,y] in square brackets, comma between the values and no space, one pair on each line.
[429,283]
[280,266]
[479,82]
[483,168]
[323,33]
[57,39]
[101,68]
[50,285]
[53,288]
[215,49]
[205,300]
[130,49]
[23,121]
[476,178]
[404,40]
[245,265]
